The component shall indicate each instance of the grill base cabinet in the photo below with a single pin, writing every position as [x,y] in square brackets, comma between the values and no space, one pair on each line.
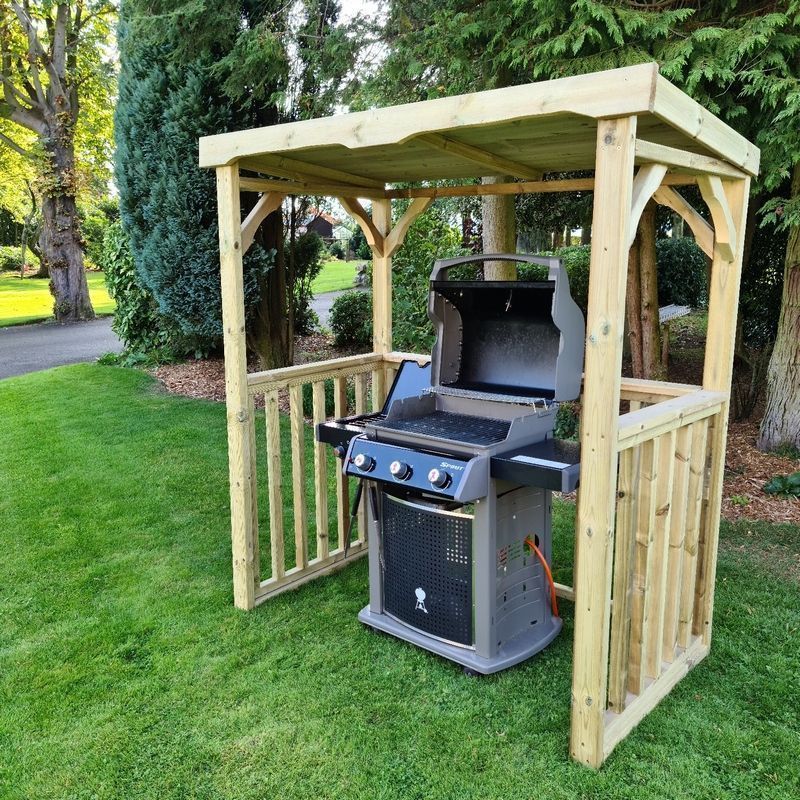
[462,583]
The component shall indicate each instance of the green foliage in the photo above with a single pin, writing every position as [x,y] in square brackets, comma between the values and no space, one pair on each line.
[787,485]
[351,319]
[330,403]
[309,250]
[568,422]
[359,246]
[10,228]
[576,261]
[145,332]
[682,275]
[11,259]
[336,249]
[95,221]
[431,237]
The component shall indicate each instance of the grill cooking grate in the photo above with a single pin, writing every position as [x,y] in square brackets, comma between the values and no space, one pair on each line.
[456,427]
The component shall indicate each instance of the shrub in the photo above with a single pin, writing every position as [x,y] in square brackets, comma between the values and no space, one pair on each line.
[682,277]
[351,319]
[576,261]
[337,249]
[94,224]
[359,246]
[431,237]
[137,321]
[308,254]
[786,485]
[11,259]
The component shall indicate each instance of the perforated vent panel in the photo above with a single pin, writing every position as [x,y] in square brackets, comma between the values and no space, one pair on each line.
[427,569]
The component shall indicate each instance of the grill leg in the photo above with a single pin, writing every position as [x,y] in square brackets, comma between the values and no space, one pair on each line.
[484,552]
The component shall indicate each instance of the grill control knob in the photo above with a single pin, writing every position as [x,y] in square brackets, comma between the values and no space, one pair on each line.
[439,478]
[364,462]
[400,470]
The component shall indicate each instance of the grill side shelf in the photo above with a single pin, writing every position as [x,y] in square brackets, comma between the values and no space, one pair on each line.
[552,464]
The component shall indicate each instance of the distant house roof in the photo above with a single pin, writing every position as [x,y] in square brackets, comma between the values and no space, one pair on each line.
[315,213]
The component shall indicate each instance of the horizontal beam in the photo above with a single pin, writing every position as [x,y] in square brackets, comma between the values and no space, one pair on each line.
[285,167]
[288,375]
[519,187]
[648,423]
[497,165]
[298,576]
[637,707]
[310,187]
[648,391]
[683,160]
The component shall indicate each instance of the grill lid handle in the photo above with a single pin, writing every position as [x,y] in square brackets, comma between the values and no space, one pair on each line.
[441,267]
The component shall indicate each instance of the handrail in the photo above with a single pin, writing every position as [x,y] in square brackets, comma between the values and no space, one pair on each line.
[286,376]
[648,423]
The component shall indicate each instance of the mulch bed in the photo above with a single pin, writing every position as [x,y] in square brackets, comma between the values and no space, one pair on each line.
[746,468]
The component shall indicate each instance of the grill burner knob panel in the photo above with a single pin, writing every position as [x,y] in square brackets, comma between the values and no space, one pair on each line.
[364,462]
[439,478]
[400,470]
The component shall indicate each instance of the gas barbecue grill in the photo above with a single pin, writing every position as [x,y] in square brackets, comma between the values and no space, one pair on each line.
[459,465]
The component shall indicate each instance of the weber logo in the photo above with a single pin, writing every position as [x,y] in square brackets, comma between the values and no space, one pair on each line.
[420,606]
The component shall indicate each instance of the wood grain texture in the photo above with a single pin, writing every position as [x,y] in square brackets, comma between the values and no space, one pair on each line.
[595,519]
[320,472]
[342,483]
[275,485]
[298,476]
[243,535]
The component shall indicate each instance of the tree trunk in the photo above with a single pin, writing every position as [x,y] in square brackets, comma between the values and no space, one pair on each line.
[781,422]
[499,232]
[633,310]
[270,331]
[648,277]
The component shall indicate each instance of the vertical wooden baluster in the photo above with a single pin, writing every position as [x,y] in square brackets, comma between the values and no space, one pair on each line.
[342,487]
[298,475]
[623,579]
[320,473]
[694,507]
[275,483]
[361,408]
[251,424]
[656,600]
[378,388]
[677,534]
[643,563]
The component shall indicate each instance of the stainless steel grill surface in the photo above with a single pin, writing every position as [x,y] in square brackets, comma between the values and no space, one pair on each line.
[448,425]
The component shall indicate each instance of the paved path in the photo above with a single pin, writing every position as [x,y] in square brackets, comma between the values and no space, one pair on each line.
[28,348]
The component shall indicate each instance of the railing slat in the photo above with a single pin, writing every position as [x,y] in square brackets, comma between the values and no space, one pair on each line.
[657,597]
[275,483]
[677,533]
[320,472]
[378,388]
[694,508]
[342,482]
[643,563]
[298,475]
[251,433]
[619,651]
[361,408]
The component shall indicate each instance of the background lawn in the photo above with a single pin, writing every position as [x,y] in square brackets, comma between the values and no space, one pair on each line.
[126,672]
[335,276]
[30,299]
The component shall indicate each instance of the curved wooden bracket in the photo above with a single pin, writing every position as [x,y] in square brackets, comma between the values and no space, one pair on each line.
[647,180]
[266,204]
[713,193]
[373,236]
[703,232]
[398,233]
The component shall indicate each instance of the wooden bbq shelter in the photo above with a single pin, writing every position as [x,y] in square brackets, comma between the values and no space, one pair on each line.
[648,513]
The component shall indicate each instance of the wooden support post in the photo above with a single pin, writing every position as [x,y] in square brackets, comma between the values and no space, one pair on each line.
[320,472]
[342,489]
[720,341]
[381,298]
[595,521]
[243,535]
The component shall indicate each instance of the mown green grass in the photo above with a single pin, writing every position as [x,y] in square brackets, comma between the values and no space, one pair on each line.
[335,276]
[126,672]
[29,299]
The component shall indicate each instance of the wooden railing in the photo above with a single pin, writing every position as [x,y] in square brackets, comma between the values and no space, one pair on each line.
[658,552]
[307,513]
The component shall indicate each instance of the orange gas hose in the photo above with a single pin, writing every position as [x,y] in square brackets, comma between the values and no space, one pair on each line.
[553,603]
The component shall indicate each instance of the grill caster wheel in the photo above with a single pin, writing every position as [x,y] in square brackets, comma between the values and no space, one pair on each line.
[471,673]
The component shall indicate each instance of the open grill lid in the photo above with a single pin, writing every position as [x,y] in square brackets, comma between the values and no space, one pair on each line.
[518,341]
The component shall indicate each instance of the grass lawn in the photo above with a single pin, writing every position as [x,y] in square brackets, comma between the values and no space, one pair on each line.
[126,672]
[29,299]
[335,276]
